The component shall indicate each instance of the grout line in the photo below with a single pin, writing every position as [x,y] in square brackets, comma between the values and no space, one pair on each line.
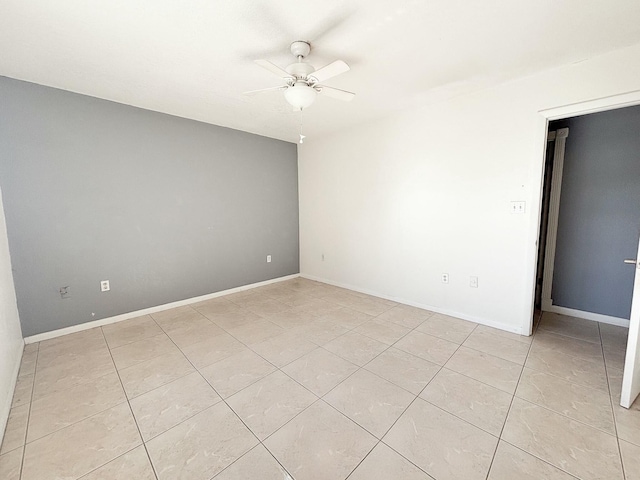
[124,392]
[613,407]
[33,387]
[506,418]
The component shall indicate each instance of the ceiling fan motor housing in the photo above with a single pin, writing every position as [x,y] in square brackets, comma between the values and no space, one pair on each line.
[300,69]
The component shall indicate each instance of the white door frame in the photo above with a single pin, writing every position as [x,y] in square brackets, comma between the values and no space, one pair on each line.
[557,113]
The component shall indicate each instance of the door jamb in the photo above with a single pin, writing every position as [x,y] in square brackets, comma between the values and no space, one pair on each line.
[602,104]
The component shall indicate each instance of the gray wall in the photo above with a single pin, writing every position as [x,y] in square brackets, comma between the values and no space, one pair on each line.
[599,220]
[163,207]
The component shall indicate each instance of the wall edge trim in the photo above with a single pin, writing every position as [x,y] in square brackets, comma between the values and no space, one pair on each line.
[443,311]
[594,317]
[5,409]
[146,311]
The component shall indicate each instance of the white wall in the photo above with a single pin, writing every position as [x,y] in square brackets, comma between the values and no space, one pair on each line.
[11,343]
[394,203]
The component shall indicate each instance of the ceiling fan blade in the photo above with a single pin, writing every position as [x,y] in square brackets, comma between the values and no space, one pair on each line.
[273,68]
[253,92]
[336,93]
[330,71]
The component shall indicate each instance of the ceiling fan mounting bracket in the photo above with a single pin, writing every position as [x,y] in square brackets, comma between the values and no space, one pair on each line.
[300,48]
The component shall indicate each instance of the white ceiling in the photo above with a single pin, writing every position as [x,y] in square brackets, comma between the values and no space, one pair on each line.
[194,58]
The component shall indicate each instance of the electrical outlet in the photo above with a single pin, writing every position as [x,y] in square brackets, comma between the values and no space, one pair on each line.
[518,207]
[268,258]
[473,282]
[445,278]
[104,286]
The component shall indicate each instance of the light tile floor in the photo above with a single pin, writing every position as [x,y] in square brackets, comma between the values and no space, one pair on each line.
[301,380]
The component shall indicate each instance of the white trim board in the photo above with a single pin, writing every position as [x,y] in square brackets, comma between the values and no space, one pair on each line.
[5,409]
[443,311]
[596,317]
[554,214]
[146,311]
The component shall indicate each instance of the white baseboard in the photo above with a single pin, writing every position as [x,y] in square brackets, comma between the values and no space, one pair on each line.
[444,311]
[596,317]
[146,311]
[5,407]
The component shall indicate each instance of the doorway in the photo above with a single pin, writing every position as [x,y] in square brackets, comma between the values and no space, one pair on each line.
[601,105]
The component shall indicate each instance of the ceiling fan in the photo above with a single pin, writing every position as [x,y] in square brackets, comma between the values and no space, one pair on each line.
[302,80]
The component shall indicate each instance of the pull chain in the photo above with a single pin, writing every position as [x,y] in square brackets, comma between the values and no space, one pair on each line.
[302,137]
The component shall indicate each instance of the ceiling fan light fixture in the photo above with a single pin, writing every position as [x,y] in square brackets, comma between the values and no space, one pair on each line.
[300,95]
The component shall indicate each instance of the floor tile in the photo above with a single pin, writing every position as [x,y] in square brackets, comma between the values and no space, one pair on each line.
[511,463]
[486,368]
[481,405]
[356,348]
[201,446]
[613,335]
[573,369]
[56,411]
[499,346]
[290,319]
[385,464]
[145,376]
[163,408]
[79,369]
[405,316]
[28,363]
[369,305]
[82,447]
[269,403]
[320,444]
[573,447]
[212,350]
[321,332]
[588,351]
[256,332]
[188,332]
[449,328]
[266,307]
[628,422]
[11,464]
[256,464]
[587,405]
[385,332]
[630,460]
[370,401]
[216,306]
[316,307]
[570,327]
[236,372]
[346,317]
[428,347]
[73,343]
[133,465]
[31,347]
[614,356]
[129,331]
[142,350]
[167,318]
[320,370]
[15,432]
[614,377]
[502,333]
[403,369]
[23,390]
[283,349]
[444,446]
[234,319]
